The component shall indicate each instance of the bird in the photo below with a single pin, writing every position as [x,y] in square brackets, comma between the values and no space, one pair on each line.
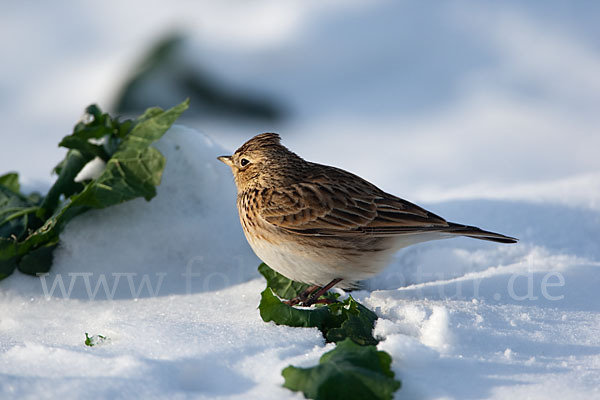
[323,226]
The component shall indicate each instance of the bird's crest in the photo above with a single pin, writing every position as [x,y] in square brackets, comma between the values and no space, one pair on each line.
[261,141]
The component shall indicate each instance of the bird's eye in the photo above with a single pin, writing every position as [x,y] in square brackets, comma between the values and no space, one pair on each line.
[244,162]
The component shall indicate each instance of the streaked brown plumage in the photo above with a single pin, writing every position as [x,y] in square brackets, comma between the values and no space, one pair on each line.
[315,223]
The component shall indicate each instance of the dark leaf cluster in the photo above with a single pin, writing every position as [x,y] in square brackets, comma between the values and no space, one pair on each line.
[355,369]
[30,224]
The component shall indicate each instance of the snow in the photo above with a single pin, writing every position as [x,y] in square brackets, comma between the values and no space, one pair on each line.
[91,170]
[483,113]
[173,285]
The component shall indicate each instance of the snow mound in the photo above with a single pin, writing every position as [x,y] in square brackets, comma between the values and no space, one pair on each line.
[171,283]
[172,244]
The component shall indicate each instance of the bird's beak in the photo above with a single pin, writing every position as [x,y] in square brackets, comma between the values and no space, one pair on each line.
[226,160]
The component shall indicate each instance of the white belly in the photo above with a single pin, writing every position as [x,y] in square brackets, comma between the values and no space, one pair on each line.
[321,265]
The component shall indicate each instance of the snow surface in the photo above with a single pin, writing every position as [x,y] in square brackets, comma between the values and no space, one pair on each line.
[484,112]
[174,286]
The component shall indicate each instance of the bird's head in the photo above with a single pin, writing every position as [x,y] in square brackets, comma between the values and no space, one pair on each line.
[262,162]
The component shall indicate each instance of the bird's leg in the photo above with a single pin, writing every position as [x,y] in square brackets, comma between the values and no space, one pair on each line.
[302,297]
[314,298]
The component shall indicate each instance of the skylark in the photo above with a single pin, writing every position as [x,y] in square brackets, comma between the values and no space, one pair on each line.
[324,226]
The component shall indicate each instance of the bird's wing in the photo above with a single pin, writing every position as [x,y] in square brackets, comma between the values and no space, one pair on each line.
[324,207]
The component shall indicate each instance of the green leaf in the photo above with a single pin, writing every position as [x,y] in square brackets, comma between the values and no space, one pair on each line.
[11,181]
[95,340]
[85,147]
[349,371]
[337,321]
[95,124]
[39,260]
[15,212]
[17,219]
[129,174]
[153,124]
[65,184]
[135,169]
[354,369]
[282,286]
[29,232]
[8,256]
[272,309]
[357,325]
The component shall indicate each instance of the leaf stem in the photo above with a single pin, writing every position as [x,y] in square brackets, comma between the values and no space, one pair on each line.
[24,211]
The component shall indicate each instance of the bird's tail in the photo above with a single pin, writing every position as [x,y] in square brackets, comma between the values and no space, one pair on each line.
[476,233]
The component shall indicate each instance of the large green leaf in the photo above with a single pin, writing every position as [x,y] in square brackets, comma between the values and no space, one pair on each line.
[354,369]
[29,231]
[349,371]
[133,171]
[337,321]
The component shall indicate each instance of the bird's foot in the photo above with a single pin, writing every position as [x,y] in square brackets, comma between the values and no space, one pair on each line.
[302,297]
[311,295]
